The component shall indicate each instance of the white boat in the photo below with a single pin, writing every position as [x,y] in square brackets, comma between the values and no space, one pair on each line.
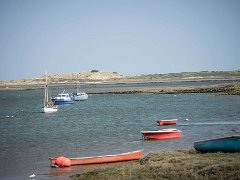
[79,96]
[48,106]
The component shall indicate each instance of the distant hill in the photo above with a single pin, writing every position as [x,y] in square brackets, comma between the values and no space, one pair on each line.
[183,76]
[96,76]
[66,78]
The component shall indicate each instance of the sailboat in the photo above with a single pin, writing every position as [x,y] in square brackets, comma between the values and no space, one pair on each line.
[48,106]
[79,96]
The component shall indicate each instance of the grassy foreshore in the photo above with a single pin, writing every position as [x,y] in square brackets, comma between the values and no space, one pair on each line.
[187,164]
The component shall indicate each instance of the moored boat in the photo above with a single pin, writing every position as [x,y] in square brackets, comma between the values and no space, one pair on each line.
[167,122]
[225,144]
[63,98]
[48,106]
[162,134]
[79,95]
[134,155]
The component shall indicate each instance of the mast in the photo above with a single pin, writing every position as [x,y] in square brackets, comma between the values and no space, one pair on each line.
[77,87]
[46,91]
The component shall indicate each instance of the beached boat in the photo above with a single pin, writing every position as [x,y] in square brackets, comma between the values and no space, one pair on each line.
[226,144]
[162,134]
[48,106]
[134,155]
[79,96]
[167,122]
[63,98]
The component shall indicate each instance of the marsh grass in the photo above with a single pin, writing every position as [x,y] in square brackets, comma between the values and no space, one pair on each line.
[187,164]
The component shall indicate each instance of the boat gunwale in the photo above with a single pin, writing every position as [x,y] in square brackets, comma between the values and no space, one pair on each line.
[218,139]
[114,155]
[167,120]
[161,131]
[111,155]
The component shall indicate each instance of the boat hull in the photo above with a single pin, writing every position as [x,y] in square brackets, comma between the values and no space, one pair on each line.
[80,97]
[167,122]
[162,134]
[61,102]
[49,109]
[226,144]
[135,155]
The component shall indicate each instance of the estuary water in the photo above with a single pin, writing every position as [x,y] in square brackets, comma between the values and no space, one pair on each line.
[104,124]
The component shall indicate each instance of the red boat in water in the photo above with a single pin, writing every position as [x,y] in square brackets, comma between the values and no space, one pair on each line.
[162,134]
[167,122]
[135,155]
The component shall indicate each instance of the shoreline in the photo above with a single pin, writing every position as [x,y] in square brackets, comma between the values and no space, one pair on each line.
[225,82]
[178,164]
[111,78]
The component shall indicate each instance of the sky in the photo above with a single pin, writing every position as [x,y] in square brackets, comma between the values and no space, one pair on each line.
[125,36]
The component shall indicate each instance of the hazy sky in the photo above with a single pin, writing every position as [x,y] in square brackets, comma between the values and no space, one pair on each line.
[127,36]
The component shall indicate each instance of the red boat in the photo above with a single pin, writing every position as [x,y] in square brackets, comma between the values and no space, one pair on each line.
[167,122]
[162,134]
[135,155]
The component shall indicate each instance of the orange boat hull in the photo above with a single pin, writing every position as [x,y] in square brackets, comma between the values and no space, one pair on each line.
[162,135]
[167,122]
[135,155]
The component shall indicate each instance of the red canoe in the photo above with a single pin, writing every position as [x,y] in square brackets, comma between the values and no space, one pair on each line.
[135,155]
[167,122]
[162,134]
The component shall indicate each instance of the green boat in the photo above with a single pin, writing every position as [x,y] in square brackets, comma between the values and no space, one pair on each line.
[226,144]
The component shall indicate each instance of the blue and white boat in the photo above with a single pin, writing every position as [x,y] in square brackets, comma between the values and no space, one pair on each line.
[226,144]
[63,98]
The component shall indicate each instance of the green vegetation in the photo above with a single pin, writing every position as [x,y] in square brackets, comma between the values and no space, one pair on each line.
[201,74]
[230,89]
[233,89]
[173,165]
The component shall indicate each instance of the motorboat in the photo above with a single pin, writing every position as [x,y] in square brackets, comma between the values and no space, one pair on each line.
[167,122]
[63,98]
[162,134]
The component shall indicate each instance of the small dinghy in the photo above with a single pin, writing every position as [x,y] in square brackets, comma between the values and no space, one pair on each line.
[167,122]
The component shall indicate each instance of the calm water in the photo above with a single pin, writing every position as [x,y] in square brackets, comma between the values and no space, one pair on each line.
[104,124]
